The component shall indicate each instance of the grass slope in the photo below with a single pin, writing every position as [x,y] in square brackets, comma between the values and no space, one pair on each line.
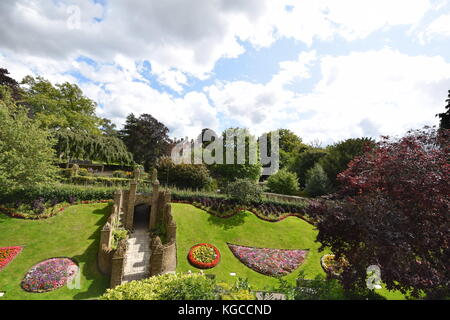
[196,226]
[74,233]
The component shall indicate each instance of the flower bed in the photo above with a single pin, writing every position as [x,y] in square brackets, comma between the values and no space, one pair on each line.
[270,262]
[204,256]
[50,212]
[331,266]
[7,255]
[49,275]
[236,210]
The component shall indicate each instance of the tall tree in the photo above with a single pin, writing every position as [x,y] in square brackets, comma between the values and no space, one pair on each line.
[304,161]
[445,116]
[11,83]
[232,169]
[394,215]
[340,154]
[290,144]
[146,138]
[60,107]
[26,154]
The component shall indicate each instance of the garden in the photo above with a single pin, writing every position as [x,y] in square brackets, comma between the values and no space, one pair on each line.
[327,216]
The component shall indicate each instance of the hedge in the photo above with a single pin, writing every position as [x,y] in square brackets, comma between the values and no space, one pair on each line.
[59,193]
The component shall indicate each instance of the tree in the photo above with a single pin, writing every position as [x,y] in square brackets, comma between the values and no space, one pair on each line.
[445,116]
[395,215]
[317,182]
[340,154]
[289,145]
[26,154]
[60,107]
[304,161]
[244,191]
[9,82]
[283,182]
[184,176]
[228,172]
[88,146]
[146,138]
[108,128]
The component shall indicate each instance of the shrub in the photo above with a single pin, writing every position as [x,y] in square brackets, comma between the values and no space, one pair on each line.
[184,176]
[57,192]
[118,235]
[283,182]
[84,172]
[165,287]
[305,161]
[317,183]
[395,214]
[90,180]
[121,174]
[340,154]
[244,191]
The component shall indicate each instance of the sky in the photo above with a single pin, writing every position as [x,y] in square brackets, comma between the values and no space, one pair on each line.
[327,70]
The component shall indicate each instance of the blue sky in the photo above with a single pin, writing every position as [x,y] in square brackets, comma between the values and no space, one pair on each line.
[327,70]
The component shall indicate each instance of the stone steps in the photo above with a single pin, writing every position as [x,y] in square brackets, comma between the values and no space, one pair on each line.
[138,257]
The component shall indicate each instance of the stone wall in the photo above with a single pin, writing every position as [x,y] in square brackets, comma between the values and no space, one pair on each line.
[163,258]
[118,264]
[283,197]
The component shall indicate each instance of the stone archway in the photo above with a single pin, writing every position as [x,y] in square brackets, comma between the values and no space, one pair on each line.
[141,216]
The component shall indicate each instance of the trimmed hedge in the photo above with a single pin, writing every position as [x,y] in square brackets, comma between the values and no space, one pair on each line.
[57,193]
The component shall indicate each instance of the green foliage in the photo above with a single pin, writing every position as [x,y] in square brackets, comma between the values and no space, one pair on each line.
[317,183]
[60,107]
[340,154]
[26,155]
[228,172]
[444,122]
[117,236]
[95,180]
[87,146]
[121,174]
[146,138]
[283,182]
[244,191]
[57,192]
[165,287]
[289,145]
[183,176]
[304,161]
[241,290]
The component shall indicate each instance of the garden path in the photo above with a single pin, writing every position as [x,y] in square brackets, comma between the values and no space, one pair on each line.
[138,256]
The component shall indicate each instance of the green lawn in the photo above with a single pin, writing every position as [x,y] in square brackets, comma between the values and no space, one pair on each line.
[197,226]
[74,233]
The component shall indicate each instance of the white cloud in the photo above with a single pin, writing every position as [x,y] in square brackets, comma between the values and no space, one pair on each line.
[363,93]
[440,27]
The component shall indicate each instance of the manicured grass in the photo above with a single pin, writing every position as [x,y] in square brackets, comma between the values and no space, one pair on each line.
[73,233]
[197,226]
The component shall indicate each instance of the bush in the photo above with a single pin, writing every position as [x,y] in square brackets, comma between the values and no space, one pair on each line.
[317,183]
[305,161]
[184,176]
[122,174]
[90,180]
[165,287]
[340,154]
[179,287]
[283,182]
[244,191]
[56,193]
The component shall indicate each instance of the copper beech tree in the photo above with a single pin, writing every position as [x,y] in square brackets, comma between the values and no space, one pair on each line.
[394,213]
